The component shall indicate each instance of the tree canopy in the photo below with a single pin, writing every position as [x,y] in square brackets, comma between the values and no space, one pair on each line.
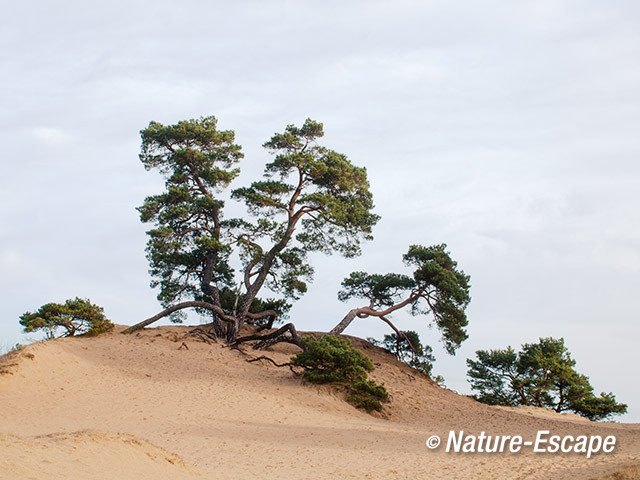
[436,288]
[311,199]
[74,316]
[542,374]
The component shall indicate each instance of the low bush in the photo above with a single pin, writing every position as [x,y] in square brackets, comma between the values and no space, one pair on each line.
[331,359]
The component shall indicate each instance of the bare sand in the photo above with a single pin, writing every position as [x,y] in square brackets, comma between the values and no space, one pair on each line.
[137,407]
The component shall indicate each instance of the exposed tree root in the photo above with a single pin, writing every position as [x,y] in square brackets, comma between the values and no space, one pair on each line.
[286,333]
[264,357]
[205,336]
[273,362]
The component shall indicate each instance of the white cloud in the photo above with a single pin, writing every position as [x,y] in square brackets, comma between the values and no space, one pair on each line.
[52,136]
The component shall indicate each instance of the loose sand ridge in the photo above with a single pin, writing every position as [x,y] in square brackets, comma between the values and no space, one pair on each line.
[137,407]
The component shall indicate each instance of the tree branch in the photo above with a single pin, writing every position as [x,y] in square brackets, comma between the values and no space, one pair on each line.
[258,316]
[296,194]
[180,306]
[369,312]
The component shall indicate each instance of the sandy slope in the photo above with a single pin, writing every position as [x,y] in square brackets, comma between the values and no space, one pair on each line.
[88,455]
[138,407]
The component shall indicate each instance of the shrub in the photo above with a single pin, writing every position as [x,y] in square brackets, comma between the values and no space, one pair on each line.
[331,359]
[74,317]
[368,395]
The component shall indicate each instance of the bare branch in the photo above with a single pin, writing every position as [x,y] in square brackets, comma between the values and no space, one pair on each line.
[180,306]
[368,311]
[258,316]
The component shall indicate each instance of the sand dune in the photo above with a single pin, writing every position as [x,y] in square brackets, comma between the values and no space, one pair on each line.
[138,407]
[88,455]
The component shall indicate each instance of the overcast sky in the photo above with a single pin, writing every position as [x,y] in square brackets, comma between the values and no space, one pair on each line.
[508,130]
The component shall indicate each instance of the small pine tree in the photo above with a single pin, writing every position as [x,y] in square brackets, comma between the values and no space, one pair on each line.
[331,359]
[408,348]
[76,316]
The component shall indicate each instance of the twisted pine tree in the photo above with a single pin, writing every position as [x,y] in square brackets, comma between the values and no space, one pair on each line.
[437,287]
[74,316]
[311,199]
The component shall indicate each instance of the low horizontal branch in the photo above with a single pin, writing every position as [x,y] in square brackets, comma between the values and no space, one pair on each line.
[180,306]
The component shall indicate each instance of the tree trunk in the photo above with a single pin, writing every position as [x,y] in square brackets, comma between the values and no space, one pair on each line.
[207,278]
[344,323]
[233,328]
[267,262]
[252,291]
[218,326]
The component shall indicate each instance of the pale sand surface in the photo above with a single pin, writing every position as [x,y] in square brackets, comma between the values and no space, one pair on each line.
[118,406]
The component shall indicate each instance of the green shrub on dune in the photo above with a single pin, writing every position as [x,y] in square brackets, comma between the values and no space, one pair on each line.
[331,359]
